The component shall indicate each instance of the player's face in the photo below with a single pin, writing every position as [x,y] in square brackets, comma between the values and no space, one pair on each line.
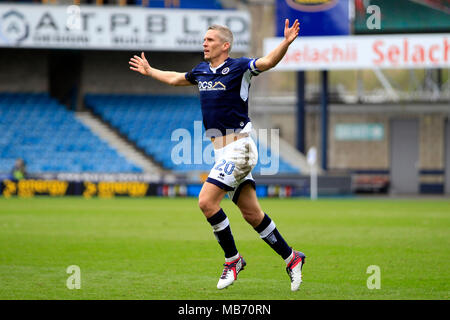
[213,45]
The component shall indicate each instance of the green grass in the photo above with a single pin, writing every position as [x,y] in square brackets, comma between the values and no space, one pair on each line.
[159,248]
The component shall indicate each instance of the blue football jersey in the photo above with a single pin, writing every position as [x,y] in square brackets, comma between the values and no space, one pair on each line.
[224,94]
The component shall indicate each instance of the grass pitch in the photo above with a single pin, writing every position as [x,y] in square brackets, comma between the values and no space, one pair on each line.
[158,248]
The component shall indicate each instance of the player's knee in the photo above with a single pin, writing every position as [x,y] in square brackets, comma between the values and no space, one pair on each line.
[252,216]
[202,204]
[206,206]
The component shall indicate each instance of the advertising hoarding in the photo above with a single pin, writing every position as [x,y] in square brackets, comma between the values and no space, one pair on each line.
[407,51]
[116,28]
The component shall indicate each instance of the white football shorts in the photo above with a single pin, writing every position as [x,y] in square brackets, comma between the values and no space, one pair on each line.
[233,166]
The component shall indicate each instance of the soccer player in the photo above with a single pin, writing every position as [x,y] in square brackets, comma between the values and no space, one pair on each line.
[224,84]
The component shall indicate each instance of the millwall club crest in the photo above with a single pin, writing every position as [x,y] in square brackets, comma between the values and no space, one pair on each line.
[225,70]
[311,6]
[13,27]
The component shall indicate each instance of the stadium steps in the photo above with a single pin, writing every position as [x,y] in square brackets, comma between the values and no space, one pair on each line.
[149,122]
[295,158]
[116,141]
[290,154]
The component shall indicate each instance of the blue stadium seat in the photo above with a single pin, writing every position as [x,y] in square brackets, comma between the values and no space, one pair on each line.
[151,120]
[36,128]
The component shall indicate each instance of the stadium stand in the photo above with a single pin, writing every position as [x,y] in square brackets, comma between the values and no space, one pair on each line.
[149,120]
[36,128]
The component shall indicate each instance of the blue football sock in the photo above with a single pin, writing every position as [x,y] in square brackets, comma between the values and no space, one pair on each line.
[222,232]
[268,232]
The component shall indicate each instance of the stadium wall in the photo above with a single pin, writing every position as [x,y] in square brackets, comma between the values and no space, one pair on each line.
[100,71]
[108,72]
[372,157]
[23,71]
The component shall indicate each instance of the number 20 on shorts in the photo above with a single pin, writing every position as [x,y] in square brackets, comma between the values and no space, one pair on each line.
[225,166]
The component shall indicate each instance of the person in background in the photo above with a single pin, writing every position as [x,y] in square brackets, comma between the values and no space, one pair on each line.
[19,170]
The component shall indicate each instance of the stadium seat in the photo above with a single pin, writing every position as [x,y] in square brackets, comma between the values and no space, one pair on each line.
[152,121]
[38,129]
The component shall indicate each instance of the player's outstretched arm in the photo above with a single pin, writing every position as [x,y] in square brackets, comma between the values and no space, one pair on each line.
[141,65]
[272,58]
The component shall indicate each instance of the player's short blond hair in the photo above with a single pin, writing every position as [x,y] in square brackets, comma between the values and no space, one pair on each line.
[225,34]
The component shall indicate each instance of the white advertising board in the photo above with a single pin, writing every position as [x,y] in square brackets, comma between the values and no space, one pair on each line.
[115,27]
[365,52]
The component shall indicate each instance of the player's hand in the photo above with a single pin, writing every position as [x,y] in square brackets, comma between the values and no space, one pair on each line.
[290,34]
[140,64]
